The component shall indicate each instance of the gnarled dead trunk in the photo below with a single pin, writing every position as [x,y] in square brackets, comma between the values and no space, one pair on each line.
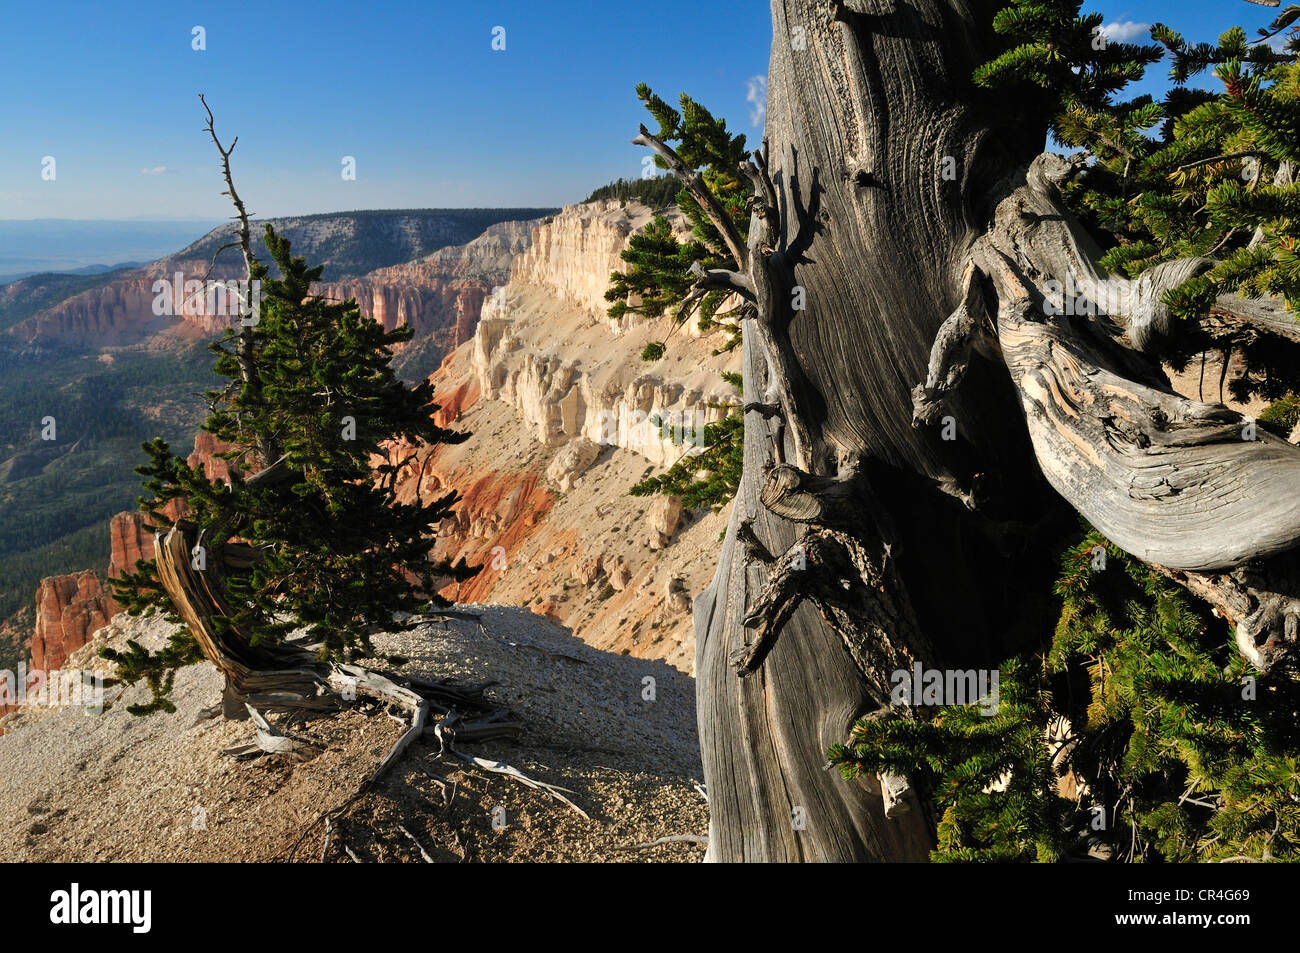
[266,677]
[867,109]
[938,426]
[290,678]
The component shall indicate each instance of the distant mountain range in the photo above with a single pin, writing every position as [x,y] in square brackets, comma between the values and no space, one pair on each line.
[350,244]
[83,246]
[84,270]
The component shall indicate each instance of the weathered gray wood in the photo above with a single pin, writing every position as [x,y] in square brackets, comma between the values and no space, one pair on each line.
[267,452]
[500,767]
[1176,482]
[669,839]
[424,854]
[859,121]
[1261,600]
[1234,314]
[353,678]
[966,328]
[864,115]
[274,678]
[273,741]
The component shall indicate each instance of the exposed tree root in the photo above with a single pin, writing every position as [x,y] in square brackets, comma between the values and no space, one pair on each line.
[670,839]
[418,846]
[270,740]
[500,767]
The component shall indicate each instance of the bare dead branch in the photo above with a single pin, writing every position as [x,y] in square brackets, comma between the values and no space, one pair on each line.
[241,213]
[244,346]
[722,279]
[754,548]
[418,846]
[967,327]
[500,767]
[1173,481]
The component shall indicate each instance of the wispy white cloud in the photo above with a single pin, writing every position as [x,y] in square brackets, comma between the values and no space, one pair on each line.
[756,96]
[156,170]
[1122,31]
[1278,43]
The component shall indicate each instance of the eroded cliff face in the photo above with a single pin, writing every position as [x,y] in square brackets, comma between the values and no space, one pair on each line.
[545,345]
[128,543]
[69,609]
[150,304]
[559,405]
[572,254]
[561,409]
[440,296]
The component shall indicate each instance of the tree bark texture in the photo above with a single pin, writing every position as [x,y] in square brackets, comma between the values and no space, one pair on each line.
[943,419]
[859,122]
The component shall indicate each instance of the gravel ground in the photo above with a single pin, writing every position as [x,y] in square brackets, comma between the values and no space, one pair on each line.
[115,787]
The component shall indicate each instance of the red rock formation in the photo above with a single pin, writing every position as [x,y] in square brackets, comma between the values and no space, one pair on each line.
[440,296]
[68,611]
[454,402]
[497,509]
[206,448]
[434,306]
[70,608]
[128,543]
[122,312]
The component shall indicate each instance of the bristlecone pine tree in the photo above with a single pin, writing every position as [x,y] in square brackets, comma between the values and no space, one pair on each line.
[665,273]
[1141,735]
[308,533]
[953,347]
[663,270]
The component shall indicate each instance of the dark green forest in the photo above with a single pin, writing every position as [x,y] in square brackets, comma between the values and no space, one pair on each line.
[56,497]
[657,192]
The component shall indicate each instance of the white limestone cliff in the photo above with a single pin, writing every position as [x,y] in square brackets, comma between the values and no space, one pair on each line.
[545,346]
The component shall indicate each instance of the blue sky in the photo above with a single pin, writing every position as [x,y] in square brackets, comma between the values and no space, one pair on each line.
[414,91]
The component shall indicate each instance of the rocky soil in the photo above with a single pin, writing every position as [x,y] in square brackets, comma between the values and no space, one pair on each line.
[617,731]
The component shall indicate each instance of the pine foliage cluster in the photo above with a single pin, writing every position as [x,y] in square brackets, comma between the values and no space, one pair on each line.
[655,192]
[336,551]
[658,276]
[710,474]
[1140,736]
[1200,174]
[1060,61]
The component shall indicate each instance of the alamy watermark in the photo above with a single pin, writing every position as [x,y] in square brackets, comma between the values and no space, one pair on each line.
[947,687]
[219,297]
[129,907]
[70,687]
